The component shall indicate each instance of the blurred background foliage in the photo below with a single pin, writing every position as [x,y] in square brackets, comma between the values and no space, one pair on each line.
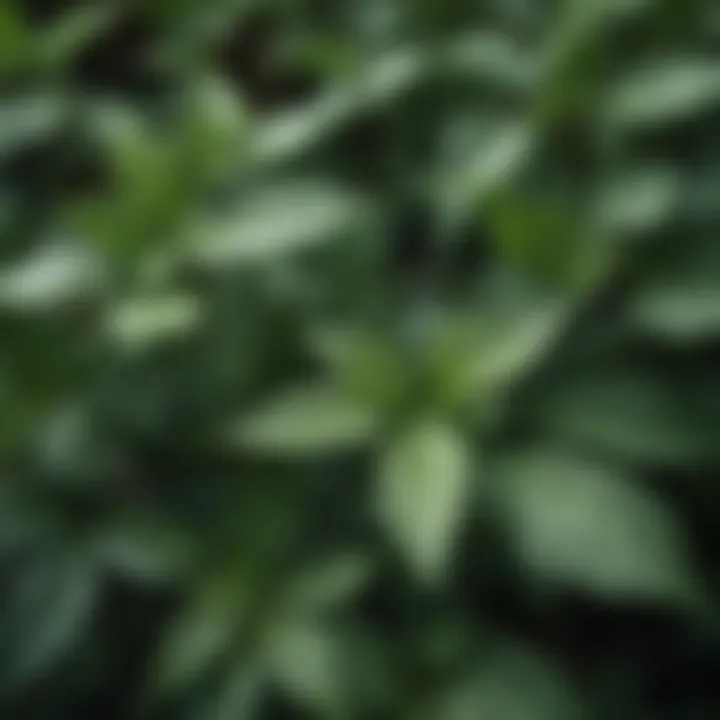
[359,359]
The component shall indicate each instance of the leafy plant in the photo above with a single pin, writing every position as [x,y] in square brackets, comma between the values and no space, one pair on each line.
[359,361]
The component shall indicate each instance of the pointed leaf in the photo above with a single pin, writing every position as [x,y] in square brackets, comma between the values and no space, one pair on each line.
[490,167]
[671,90]
[579,524]
[328,585]
[640,202]
[308,420]
[305,660]
[422,489]
[491,356]
[205,629]
[276,222]
[137,323]
[49,277]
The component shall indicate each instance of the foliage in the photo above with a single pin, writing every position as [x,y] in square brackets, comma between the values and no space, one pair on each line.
[359,359]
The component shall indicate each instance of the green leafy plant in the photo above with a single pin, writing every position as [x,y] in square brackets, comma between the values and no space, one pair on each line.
[359,361]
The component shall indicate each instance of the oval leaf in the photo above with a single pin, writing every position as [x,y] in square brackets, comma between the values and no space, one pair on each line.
[422,488]
[274,223]
[671,90]
[306,421]
[578,524]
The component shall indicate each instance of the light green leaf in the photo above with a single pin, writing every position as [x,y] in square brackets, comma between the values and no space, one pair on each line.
[50,277]
[422,487]
[489,56]
[686,312]
[218,108]
[306,660]
[276,222]
[282,137]
[137,323]
[24,121]
[625,415]
[499,157]
[488,355]
[307,421]
[640,202]
[292,132]
[579,524]
[387,77]
[671,90]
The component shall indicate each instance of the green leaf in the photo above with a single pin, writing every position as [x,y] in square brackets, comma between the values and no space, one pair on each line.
[328,585]
[579,23]
[201,634]
[579,524]
[49,277]
[216,126]
[513,683]
[274,223]
[671,90]
[138,323]
[487,354]
[50,610]
[291,132]
[686,311]
[423,484]
[626,415]
[144,550]
[239,697]
[489,56]
[681,302]
[59,44]
[639,202]
[305,659]
[490,167]
[364,363]
[307,421]
[288,134]
[135,152]
[29,120]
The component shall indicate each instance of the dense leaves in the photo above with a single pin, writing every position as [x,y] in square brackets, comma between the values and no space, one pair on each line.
[359,359]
